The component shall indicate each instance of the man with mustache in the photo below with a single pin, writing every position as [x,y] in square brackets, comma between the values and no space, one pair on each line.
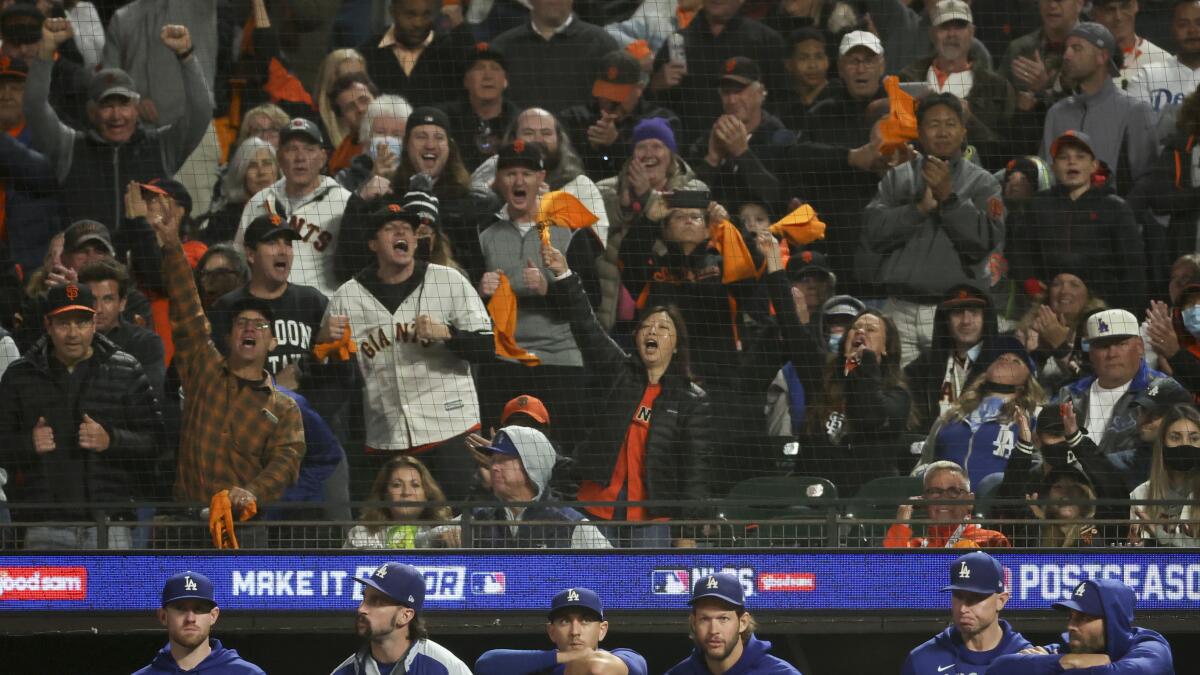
[723,631]
[389,621]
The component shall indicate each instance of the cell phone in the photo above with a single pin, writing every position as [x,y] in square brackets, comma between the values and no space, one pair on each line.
[688,199]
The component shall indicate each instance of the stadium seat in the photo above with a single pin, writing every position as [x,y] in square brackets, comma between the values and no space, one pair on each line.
[782,498]
[878,499]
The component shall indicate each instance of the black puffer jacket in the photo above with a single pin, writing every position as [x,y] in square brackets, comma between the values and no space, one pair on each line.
[115,393]
[678,446]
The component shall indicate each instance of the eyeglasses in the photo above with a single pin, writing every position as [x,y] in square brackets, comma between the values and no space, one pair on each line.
[247,322]
[947,493]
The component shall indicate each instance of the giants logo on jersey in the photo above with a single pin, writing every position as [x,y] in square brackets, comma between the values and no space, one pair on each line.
[311,233]
[377,339]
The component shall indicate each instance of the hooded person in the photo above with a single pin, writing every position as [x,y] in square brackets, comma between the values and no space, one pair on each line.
[522,462]
[1100,638]
[964,319]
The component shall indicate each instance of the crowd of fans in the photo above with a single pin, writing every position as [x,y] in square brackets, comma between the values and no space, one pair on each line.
[267,256]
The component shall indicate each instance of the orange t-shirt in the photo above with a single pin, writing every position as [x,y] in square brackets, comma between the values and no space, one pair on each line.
[630,472]
[345,151]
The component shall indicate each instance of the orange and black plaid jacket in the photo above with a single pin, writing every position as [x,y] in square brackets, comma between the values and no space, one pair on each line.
[233,435]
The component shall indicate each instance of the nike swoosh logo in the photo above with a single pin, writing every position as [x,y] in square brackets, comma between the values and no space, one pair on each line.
[945,667]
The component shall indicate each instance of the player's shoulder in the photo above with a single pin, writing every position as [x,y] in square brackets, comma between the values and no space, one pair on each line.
[929,650]
[435,653]
[633,660]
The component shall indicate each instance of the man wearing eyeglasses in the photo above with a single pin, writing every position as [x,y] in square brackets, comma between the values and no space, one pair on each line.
[239,433]
[950,527]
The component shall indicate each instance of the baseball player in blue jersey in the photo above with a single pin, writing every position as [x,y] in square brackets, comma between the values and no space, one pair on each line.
[389,619]
[1100,638]
[576,626]
[724,633]
[189,610]
[978,635]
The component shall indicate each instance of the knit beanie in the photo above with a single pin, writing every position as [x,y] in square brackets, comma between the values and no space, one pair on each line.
[658,128]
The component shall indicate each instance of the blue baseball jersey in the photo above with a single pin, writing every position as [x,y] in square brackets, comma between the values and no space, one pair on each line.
[946,654]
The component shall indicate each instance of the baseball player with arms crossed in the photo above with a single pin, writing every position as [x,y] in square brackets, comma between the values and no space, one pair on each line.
[978,635]
[576,626]
[389,619]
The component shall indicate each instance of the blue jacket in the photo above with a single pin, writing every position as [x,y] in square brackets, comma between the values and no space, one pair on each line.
[221,661]
[1133,650]
[981,447]
[755,661]
[529,661]
[323,452]
[33,211]
[935,656]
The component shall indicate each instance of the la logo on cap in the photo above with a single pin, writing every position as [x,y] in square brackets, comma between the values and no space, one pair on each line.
[964,572]
[713,583]
[1103,327]
[1153,391]
[381,572]
[189,584]
[1079,590]
[572,596]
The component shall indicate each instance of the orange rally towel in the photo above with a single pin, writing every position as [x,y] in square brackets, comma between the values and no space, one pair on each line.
[800,227]
[340,350]
[900,124]
[736,262]
[503,310]
[562,209]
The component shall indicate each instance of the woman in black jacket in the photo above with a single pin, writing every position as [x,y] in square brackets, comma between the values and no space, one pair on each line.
[649,437]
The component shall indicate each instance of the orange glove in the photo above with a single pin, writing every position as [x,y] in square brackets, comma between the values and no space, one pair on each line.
[220,521]
[338,349]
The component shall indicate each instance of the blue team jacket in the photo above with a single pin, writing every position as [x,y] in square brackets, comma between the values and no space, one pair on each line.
[946,649]
[755,661]
[1133,650]
[981,444]
[529,661]
[221,661]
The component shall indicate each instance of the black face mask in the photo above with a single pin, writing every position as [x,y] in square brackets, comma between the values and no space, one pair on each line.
[1058,454]
[1181,457]
[990,387]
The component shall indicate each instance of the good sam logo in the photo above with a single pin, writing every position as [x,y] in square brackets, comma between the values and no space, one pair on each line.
[43,583]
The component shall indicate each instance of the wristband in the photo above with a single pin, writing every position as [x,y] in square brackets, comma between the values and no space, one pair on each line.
[183,55]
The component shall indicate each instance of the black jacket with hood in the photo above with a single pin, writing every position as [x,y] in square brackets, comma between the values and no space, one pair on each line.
[928,372]
[114,392]
[1133,650]
[679,443]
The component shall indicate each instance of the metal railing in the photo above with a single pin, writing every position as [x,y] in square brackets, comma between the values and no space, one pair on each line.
[770,523]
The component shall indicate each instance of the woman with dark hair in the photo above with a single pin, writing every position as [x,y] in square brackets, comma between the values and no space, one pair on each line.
[649,437]
[411,522]
[1174,475]
[979,431]
[427,149]
[1053,328]
[862,408]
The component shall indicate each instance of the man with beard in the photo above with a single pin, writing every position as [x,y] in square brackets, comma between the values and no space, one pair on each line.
[1100,637]
[189,611]
[563,165]
[978,636]
[1122,128]
[413,60]
[1164,83]
[724,633]
[576,626]
[389,621]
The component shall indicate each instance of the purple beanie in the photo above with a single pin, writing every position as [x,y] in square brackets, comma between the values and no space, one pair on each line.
[658,128]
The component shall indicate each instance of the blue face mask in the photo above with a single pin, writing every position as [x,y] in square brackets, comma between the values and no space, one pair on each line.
[1191,319]
[835,341]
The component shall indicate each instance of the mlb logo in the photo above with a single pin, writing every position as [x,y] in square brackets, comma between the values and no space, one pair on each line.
[488,583]
[670,582]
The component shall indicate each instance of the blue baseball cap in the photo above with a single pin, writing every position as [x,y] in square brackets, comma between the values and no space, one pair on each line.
[400,582]
[187,586]
[976,572]
[1085,598]
[577,598]
[724,587]
[503,444]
